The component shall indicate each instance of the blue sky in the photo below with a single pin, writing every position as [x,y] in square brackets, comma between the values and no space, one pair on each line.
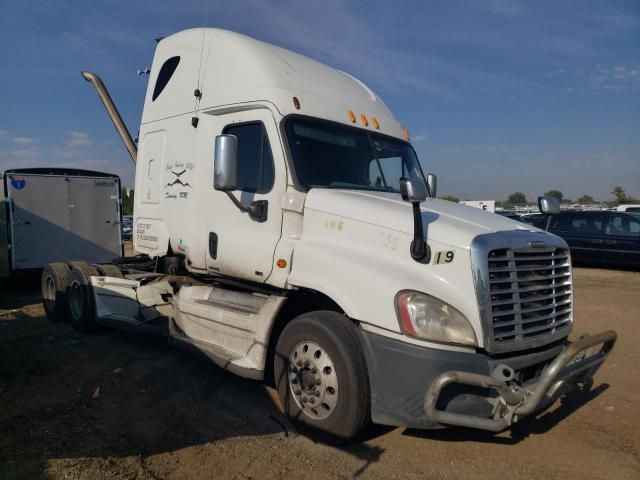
[500,96]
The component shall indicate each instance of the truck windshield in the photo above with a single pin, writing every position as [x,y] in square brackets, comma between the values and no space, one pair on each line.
[331,155]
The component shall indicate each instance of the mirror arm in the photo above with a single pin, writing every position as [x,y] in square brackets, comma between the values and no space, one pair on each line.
[420,250]
[237,203]
[257,210]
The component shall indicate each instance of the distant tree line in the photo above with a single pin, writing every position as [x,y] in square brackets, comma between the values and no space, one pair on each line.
[127,201]
[619,197]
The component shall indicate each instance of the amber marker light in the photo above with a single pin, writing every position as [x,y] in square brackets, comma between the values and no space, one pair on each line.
[364,119]
[374,120]
[296,103]
[405,134]
[352,116]
[281,263]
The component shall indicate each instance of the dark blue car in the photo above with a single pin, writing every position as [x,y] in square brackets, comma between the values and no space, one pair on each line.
[602,238]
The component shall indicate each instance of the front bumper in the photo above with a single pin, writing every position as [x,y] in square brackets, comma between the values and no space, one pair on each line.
[425,388]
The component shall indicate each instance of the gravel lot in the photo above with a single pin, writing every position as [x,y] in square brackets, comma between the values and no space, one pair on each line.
[115,405]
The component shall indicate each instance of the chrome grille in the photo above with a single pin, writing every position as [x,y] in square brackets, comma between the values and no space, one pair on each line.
[531,294]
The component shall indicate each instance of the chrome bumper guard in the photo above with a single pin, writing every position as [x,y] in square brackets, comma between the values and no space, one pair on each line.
[576,363]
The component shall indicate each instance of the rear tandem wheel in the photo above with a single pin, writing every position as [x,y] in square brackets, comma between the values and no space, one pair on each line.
[54,283]
[80,302]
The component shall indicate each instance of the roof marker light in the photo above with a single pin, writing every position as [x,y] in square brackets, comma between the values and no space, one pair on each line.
[405,134]
[364,119]
[352,116]
[296,103]
[374,120]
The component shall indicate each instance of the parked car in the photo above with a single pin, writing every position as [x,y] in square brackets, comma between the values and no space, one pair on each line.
[509,214]
[127,227]
[606,238]
[535,219]
[629,208]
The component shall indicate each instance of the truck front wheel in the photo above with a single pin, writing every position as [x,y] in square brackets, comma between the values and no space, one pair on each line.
[321,374]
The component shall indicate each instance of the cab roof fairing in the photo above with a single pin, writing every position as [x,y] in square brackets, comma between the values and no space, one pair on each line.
[230,68]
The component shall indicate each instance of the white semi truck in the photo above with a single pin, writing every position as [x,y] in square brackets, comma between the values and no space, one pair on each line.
[285,229]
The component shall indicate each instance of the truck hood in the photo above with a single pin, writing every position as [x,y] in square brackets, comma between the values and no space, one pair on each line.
[444,221]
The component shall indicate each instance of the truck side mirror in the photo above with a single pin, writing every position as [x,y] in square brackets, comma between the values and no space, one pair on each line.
[432,183]
[225,176]
[415,192]
[225,169]
[549,205]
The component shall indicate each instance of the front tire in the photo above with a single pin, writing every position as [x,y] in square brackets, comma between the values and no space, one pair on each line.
[80,303]
[321,374]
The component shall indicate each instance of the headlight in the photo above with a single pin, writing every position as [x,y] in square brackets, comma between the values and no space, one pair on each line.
[423,316]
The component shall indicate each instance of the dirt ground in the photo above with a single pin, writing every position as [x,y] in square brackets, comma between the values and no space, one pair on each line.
[115,405]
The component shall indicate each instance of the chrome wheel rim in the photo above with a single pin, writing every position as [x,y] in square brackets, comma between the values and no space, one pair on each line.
[76,303]
[313,381]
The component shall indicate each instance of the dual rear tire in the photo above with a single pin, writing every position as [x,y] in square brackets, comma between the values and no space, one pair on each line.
[54,284]
[81,309]
[67,293]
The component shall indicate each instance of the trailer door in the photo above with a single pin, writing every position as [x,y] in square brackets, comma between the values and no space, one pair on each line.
[94,218]
[39,220]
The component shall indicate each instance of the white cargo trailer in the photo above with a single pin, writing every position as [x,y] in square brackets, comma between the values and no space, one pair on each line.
[58,215]
[292,236]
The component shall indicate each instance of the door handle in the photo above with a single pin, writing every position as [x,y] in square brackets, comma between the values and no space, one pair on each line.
[597,240]
[610,242]
[213,245]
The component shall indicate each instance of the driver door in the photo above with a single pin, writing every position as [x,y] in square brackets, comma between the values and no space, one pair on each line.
[239,246]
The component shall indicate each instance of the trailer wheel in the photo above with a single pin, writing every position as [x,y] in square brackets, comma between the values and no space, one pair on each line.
[53,284]
[109,270]
[80,303]
[321,374]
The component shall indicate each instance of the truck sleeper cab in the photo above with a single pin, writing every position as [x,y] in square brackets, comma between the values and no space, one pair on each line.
[289,233]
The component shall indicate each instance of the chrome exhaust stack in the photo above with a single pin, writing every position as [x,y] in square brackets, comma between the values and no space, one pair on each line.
[113,113]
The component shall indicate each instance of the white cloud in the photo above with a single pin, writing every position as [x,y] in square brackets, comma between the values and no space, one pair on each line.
[24,140]
[30,152]
[508,8]
[618,78]
[21,157]
[78,139]
[420,138]
[3,133]
[61,152]
[346,42]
